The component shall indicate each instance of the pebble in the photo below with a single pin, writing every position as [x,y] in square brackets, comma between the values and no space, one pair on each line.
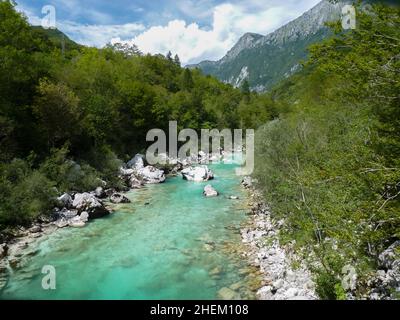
[280,280]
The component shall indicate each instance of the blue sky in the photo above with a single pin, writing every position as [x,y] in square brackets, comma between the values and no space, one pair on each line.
[195,29]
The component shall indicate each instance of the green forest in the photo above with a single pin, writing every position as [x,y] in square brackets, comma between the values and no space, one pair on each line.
[327,139]
[69,118]
[331,163]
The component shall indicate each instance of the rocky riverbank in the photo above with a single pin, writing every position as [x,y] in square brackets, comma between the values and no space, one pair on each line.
[275,261]
[77,209]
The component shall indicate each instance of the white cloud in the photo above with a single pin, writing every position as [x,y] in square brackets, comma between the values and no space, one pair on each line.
[193,43]
[190,41]
[90,35]
[98,35]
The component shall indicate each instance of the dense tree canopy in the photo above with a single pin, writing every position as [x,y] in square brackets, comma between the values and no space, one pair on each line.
[330,164]
[91,106]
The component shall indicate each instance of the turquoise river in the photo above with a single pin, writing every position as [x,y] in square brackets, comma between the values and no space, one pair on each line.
[169,243]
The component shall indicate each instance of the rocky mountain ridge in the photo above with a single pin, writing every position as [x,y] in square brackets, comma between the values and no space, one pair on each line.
[265,60]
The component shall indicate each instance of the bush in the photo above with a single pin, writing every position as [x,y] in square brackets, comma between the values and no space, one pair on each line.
[35,195]
[330,166]
[107,165]
[24,194]
[67,174]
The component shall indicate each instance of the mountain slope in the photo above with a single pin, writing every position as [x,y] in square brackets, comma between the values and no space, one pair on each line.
[265,60]
[56,37]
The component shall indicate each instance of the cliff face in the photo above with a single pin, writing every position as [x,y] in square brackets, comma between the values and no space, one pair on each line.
[265,60]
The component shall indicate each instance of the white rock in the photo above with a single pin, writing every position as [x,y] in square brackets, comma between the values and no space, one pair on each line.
[99,192]
[247,182]
[278,284]
[265,293]
[151,175]
[197,174]
[89,203]
[126,172]
[119,198]
[292,292]
[135,183]
[84,216]
[137,162]
[65,201]
[67,214]
[209,191]
[76,222]
[61,223]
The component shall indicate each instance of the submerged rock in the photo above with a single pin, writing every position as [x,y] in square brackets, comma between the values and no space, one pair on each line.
[209,191]
[119,198]
[227,294]
[236,286]
[197,174]
[208,247]
[216,271]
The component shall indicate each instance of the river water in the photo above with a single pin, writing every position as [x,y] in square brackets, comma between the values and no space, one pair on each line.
[169,243]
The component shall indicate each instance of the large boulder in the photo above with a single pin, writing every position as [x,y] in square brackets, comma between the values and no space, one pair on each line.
[64,201]
[89,203]
[388,257]
[198,174]
[134,182]
[100,193]
[119,198]
[137,162]
[61,223]
[209,191]
[65,213]
[151,175]
[84,216]
[76,222]
[126,172]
